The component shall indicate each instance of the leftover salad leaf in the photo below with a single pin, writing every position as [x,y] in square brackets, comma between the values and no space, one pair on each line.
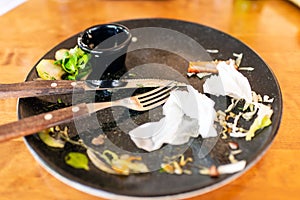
[77,160]
[73,62]
[48,70]
[262,120]
[49,140]
[69,64]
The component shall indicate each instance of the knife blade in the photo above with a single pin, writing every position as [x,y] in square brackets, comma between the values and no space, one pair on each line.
[52,87]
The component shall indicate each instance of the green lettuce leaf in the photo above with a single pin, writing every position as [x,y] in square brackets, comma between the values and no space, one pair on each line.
[262,120]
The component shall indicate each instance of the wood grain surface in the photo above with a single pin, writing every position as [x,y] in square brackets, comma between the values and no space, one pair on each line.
[270,27]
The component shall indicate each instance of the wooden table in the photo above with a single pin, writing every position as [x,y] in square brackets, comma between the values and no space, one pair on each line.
[271,28]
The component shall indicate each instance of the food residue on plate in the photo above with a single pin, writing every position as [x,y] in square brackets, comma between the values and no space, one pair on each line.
[187,114]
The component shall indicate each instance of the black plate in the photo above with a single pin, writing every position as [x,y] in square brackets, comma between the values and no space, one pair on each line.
[157,184]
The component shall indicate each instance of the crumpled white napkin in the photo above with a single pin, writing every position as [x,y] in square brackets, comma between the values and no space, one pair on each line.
[229,82]
[187,114]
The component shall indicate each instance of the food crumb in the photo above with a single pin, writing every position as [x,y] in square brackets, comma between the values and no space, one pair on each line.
[98,140]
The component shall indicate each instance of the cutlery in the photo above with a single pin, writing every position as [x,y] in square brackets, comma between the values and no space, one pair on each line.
[33,124]
[51,87]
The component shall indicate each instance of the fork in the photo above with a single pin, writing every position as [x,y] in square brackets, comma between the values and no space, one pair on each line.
[36,123]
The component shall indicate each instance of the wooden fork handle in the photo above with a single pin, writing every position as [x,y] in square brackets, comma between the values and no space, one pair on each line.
[42,121]
[40,88]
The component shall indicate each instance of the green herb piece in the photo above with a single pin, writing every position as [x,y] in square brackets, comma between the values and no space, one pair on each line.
[77,160]
[73,62]
[131,75]
[161,170]
[69,64]
[59,100]
[140,85]
[82,61]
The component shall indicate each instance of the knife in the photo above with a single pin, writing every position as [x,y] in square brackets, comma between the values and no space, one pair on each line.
[52,87]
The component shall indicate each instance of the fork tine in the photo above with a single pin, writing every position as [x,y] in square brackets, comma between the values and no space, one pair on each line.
[153,91]
[155,96]
[155,104]
[153,101]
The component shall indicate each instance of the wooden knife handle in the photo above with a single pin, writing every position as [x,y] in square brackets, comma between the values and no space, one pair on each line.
[40,88]
[42,121]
